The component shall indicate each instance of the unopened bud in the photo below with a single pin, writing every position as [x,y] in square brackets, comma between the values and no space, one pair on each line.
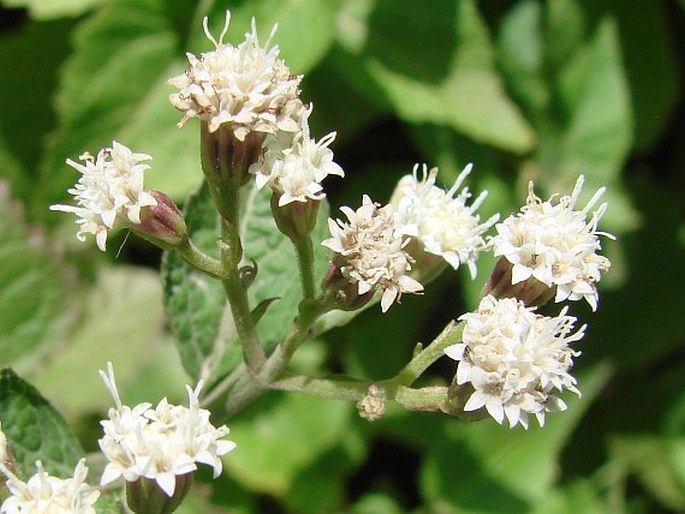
[162,224]
[226,160]
[295,219]
[372,406]
[145,496]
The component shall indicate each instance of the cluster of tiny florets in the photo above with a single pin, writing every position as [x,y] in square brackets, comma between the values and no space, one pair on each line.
[294,165]
[247,87]
[515,360]
[44,493]
[441,220]
[109,192]
[555,244]
[159,443]
[371,252]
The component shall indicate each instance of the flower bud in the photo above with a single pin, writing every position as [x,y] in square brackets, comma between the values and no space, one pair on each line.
[145,496]
[296,219]
[372,406]
[162,224]
[226,159]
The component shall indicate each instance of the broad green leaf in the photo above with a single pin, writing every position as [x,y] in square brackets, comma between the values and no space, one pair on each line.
[443,71]
[42,10]
[651,65]
[278,442]
[196,304]
[30,55]
[112,87]
[484,467]
[122,322]
[34,296]
[593,135]
[35,430]
[520,46]
[594,93]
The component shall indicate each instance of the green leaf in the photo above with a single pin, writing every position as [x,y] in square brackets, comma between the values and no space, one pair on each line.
[33,290]
[26,113]
[278,443]
[35,430]
[196,304]
[594,93]
[521,49]
[592,131]
[42,10]
[486,467]
[112,87]
[122,322]
[457,86]
[651,67]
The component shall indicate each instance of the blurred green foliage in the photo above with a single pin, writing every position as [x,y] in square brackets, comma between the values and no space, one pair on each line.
[524,89]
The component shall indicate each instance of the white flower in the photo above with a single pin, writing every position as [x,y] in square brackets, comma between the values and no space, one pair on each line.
[555,244]
[159,443]
[46,494]
[247,86]
[443,222]
[515,360]
[294,166]
[371,252]
[109,192]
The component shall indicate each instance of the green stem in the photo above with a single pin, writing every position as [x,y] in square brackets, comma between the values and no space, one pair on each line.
[200,260]
[305,261]
[224,163]
[237,298]
[427,399]
[349,390]
[424,358]
[244,385]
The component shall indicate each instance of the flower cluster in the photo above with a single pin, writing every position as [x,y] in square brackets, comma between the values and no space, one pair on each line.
[441,221]
[370,252]
[109,192]
[159,444]
[246,86]
[515,360]
[555,244]
[294,165]
[46,493]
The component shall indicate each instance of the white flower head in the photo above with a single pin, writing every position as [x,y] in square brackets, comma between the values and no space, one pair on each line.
[295,165]
[555,244]
[370,251]
[247,86]
[44,493]
[110,191]
[159,443]
[515,360]
[440,219]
